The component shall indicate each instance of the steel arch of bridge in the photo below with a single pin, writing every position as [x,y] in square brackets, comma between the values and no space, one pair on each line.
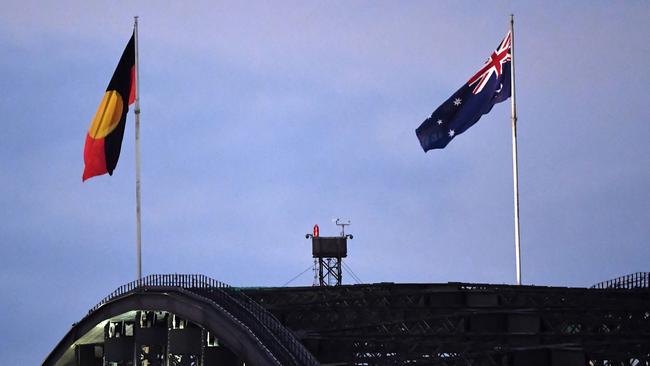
[244,327]
[402,324]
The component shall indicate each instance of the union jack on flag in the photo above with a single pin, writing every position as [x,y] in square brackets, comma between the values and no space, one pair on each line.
[490,85]
[493,65]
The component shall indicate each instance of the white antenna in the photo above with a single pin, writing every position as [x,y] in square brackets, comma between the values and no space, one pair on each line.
[342,223]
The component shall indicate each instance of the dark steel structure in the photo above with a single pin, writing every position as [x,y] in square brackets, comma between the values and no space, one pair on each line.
[329,252]
[212,314]
[193,320]
[466,324]
[631,281]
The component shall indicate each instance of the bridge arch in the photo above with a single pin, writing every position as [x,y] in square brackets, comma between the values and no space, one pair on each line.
[240,324]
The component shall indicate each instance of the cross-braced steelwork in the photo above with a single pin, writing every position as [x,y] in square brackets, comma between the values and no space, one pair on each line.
[329,253]
[466,324]
[186,319]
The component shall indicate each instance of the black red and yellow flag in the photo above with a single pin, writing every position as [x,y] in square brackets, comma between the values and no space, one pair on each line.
[104,138]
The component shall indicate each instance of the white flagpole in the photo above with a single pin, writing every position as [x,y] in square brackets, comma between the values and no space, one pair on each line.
[138,229]
[515,165]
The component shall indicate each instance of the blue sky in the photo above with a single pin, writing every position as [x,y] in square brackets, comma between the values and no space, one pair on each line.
[261,119]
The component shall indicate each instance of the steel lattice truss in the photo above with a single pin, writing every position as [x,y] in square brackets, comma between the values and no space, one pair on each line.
[465,324]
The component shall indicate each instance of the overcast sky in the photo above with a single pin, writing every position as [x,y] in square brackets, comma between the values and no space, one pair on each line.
[261,119]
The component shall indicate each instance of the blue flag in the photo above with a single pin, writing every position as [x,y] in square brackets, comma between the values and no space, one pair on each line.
[490,85]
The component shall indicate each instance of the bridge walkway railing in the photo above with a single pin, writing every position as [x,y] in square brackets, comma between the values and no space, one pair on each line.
[631,281]
[230,298]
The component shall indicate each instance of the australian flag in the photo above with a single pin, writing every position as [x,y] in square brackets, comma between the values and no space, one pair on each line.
[490,85]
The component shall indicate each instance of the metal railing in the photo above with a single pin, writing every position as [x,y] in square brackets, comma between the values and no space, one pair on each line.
[634,280]
[231,299]
[167,280]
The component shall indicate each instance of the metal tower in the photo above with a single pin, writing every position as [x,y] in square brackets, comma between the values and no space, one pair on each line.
[328,253]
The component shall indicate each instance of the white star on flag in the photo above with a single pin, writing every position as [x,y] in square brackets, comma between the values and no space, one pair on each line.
[451,133]
[439,122]
[457,101]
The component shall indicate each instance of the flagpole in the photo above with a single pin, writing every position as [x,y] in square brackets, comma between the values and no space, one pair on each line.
[515,165]
[138,230]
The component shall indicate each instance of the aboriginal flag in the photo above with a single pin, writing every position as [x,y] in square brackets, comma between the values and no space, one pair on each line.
[104,138]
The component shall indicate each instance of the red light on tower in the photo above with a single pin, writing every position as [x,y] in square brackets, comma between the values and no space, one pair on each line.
[316,231]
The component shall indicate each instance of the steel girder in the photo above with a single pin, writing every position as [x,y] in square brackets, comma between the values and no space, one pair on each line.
[465,324]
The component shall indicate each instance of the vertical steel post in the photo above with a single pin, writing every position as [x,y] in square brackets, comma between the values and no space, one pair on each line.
[515,165]
[138,226]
